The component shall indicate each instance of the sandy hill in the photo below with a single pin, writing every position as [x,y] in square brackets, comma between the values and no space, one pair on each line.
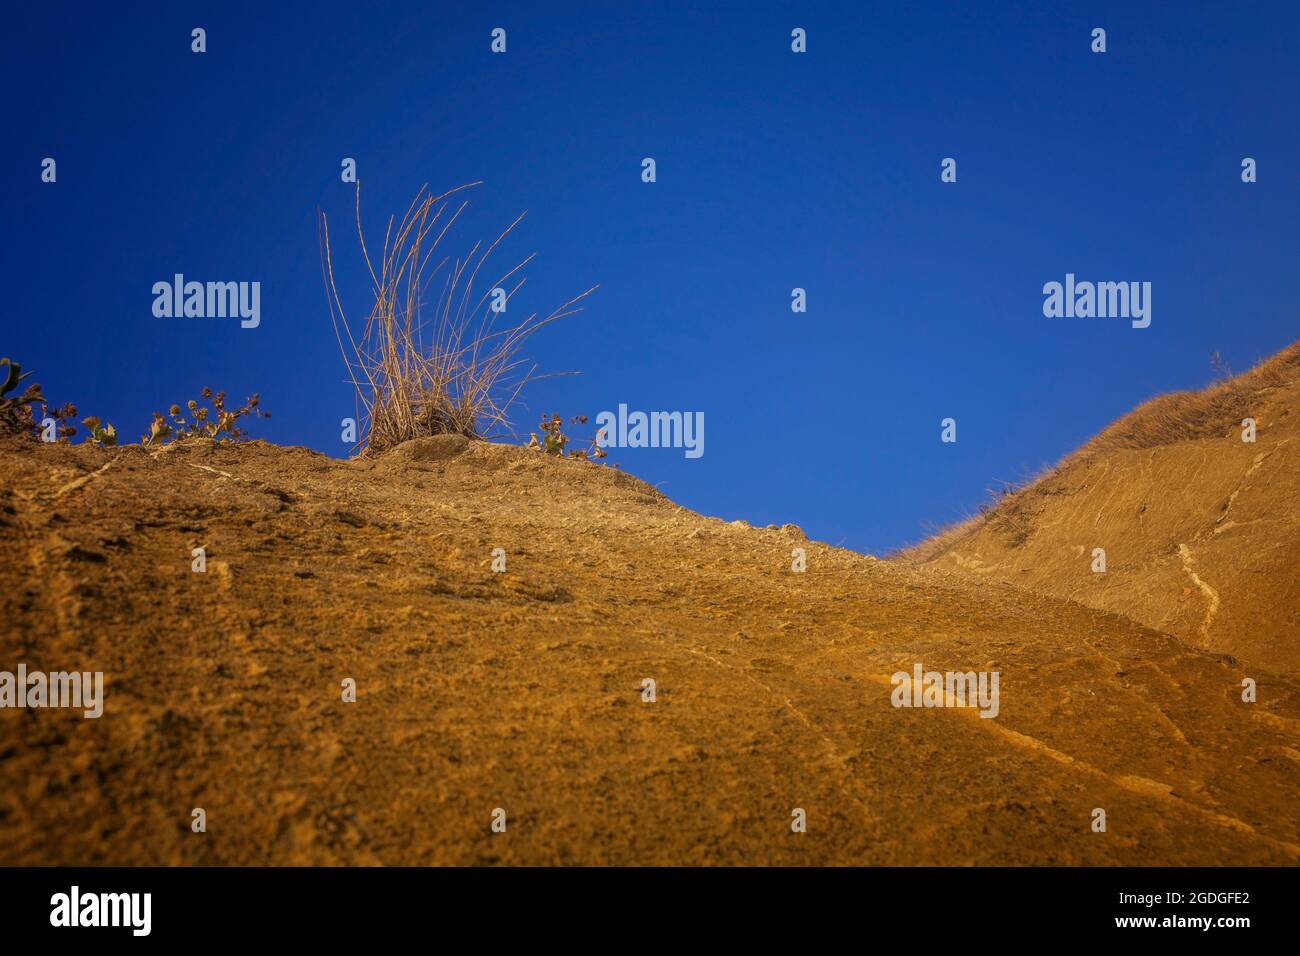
[1201,530]
[523,690]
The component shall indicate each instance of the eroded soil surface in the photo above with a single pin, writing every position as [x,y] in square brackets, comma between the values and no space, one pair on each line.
[523,690]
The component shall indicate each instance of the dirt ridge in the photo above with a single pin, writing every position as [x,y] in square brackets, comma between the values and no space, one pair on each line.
[1200,529]
[524,690]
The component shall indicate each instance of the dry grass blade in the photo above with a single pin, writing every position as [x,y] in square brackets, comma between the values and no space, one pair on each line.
[456,374]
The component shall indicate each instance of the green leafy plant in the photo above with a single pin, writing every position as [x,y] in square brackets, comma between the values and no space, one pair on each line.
[199,421]
[101,433]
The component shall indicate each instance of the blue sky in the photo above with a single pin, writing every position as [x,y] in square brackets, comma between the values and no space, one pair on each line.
[775,170]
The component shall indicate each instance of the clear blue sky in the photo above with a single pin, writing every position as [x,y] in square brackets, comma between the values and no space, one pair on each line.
[775,170]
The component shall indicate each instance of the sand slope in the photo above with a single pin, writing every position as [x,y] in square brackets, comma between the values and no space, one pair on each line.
[522,690]
[1201,530]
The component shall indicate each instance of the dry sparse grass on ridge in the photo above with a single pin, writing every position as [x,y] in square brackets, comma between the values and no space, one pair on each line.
[1182,416]
[1163,420]
[451,370]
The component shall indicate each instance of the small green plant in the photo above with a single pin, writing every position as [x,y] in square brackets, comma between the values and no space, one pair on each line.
[556,442]
[218,422]
[101,433]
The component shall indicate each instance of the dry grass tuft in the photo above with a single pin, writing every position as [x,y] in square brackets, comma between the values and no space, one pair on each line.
[1184,416]
[447,370]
